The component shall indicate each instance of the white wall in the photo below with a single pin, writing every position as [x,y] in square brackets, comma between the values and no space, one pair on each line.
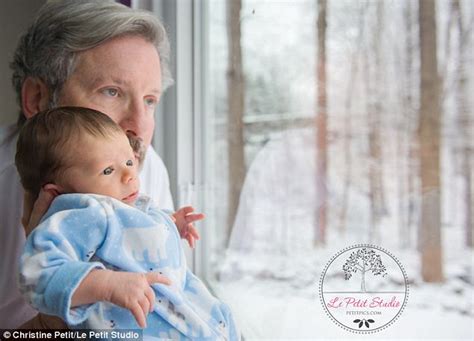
[15,16]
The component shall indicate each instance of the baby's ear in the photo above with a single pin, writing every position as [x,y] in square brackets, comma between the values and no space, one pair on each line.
[52,189]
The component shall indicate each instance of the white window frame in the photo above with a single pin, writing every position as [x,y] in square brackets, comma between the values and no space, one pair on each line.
[180,123]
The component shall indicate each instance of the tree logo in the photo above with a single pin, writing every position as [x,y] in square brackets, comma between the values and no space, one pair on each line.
[363,288]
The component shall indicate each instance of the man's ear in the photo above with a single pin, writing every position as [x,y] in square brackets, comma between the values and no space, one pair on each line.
[53,189]
[34,96]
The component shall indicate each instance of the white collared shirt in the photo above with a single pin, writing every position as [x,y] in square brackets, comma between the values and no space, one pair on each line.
[14,310]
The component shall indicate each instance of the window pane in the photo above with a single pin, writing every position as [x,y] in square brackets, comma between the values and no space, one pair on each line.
[332,123]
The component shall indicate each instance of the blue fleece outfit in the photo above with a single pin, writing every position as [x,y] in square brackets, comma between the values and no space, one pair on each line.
[82,232]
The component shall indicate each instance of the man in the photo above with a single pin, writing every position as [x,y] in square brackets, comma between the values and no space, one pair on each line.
[96,54]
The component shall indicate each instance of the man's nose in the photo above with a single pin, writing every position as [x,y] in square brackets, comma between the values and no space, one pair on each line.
[134,120]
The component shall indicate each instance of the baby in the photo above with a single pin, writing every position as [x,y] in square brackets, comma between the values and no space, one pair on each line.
[103,256]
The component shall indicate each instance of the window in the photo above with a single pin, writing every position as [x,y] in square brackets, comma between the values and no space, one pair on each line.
[315,132]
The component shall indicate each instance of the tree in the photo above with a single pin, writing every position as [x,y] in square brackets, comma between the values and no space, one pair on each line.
[348,112]
[406,134]
[429,141]
[374,117]
[235,97]
[363,260]
[321,126]
[464,122]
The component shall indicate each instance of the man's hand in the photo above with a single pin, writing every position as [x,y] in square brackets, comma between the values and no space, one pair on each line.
[128,290]
[184,219]
[33,209]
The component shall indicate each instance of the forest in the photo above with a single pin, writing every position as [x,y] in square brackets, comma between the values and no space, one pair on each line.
[342,122]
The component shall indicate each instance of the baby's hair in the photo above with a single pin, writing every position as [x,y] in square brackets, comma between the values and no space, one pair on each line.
[45,142]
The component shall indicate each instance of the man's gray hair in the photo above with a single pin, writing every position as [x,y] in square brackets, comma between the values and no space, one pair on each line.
[63,28]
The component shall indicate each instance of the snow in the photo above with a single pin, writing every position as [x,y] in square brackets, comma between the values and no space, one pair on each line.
[264,314]
[270,275]
[270,272]
[288,307]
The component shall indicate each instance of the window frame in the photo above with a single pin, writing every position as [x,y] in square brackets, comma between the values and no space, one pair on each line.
[180,133]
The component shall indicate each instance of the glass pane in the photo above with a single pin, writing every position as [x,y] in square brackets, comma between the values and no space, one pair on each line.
[334,123]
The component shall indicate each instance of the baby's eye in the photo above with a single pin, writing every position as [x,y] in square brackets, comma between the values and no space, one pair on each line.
[108,171]
[129,163]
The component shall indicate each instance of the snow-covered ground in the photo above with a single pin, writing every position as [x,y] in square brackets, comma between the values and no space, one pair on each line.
[277,297]
[270,275]
[265,310]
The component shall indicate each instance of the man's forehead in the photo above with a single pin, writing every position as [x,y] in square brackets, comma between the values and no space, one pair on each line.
[120,65]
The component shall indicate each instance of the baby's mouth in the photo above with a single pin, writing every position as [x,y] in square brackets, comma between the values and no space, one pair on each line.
[131,197]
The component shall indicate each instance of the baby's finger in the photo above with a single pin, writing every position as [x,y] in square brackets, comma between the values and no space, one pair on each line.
[145,305]
[193,231]
[150,295]
[187,209]
[194,217]
[138,314]
[155,277]
[190,240]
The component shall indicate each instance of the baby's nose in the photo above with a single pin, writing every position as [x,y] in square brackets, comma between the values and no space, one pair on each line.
[128,175]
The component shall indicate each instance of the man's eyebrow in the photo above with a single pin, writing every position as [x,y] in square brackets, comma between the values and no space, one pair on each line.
[156,91]
[99,79]
[119,81]
[96,81]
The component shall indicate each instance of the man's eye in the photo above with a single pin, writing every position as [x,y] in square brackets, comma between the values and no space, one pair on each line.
[150,101]
[108,171]
[129,163]
[111,92]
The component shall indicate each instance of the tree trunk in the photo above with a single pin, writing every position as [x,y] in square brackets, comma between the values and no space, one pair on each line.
[429,136]
[376,192]
[464,119]
[347,132]
[321,128]
[406,139]
[235,97]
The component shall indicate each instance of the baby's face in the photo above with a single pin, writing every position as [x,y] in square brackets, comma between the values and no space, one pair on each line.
[104,166]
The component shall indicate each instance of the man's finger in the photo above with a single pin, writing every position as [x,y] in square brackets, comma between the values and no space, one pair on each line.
[27,208]
[40,207]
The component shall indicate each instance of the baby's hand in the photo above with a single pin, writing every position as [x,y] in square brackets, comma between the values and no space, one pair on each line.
[133,291]
[184,219]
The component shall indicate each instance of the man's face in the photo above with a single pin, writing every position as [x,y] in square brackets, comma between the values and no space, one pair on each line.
[99,165]
[121,78]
